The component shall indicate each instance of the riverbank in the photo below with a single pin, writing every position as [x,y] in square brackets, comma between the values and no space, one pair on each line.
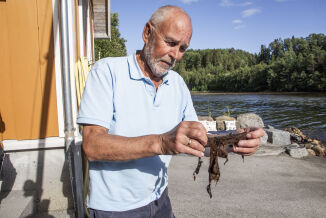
[277,141]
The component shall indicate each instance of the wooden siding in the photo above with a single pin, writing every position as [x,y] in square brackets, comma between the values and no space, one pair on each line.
[102,23]
[28,94]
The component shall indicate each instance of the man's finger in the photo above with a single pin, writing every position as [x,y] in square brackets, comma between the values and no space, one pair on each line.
[200,137]
[194,144]
[189,150]
[256,133]
[194,130]
[244,151]
[249,143]
[198,132]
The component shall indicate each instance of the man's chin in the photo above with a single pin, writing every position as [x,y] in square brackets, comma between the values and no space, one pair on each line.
[161,73]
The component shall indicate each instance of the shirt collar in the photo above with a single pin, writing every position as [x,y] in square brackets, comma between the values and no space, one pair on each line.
[137,74]
[134,69]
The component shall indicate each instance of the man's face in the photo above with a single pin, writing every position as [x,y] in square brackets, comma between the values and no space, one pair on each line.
[167,44]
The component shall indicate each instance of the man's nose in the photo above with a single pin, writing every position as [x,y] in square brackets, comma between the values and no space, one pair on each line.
[175,53]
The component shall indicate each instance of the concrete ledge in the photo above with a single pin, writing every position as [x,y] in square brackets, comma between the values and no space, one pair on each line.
[34,182]
[278,137]
[47,143]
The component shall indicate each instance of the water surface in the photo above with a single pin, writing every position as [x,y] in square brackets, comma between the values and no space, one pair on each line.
[306,111]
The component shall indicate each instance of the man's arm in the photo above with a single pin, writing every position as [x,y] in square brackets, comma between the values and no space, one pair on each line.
[99,145]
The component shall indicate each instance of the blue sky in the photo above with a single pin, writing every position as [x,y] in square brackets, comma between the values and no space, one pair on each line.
[239,24]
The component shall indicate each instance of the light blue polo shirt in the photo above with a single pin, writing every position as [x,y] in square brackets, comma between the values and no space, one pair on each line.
[120,98]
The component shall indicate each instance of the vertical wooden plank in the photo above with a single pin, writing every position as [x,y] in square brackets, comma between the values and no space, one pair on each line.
[102,18]
[27,49]
[5,94]
[92,32]
[108,14]
[22,75]
[76,21]
[49,120]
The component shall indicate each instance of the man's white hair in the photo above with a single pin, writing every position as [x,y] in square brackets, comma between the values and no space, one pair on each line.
[163,12]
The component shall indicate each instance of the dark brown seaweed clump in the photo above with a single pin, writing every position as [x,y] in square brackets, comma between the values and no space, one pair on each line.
[218,148]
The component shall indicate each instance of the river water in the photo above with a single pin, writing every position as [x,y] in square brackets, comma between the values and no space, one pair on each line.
[306,111]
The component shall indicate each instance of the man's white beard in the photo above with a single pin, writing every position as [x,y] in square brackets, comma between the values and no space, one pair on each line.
[153,63]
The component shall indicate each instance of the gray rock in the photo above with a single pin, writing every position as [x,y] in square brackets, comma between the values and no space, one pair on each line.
[293,145]
[263,140]
[278,137]
[249,120]
[308,145]
[296,151]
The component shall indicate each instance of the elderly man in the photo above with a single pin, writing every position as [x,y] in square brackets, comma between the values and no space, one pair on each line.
[136,113]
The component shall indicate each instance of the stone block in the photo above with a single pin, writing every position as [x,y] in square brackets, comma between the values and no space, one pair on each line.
[296,151]
[249,120]
[209,125]
[220,122]
[230,125]
[278,137]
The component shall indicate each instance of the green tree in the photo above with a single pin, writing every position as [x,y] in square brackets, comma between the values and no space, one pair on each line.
[292,64]
[114,47]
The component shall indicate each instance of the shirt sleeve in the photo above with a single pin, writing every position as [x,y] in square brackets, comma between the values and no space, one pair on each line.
[189,113]
[96,106]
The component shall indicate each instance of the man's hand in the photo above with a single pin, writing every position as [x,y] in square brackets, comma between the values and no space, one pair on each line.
[188,137]
[249,146]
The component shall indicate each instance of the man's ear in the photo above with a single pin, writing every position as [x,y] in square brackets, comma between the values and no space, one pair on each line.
[147,32]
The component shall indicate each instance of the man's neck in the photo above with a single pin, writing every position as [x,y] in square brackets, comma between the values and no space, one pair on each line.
[140,57]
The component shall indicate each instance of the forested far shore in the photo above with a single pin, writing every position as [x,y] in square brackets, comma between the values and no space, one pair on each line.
[292,64]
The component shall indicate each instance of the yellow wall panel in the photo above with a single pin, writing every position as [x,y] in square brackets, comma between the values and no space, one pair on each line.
[28,99]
